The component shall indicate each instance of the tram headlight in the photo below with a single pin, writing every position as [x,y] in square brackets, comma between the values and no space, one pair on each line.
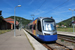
[46,34]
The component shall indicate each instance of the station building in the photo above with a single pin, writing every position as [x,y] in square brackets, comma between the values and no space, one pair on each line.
[8,23]
[4,24]
[11,21]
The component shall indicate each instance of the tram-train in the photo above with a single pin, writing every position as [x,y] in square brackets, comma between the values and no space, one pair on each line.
[43,28]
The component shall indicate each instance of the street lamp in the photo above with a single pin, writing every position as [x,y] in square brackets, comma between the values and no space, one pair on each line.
[72,18]
[14,19]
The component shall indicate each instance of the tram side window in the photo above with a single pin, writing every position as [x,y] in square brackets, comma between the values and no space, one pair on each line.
[30,26]
[39,26]
[34,27]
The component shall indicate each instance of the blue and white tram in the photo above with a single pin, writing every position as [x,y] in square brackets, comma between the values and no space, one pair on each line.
[44,28]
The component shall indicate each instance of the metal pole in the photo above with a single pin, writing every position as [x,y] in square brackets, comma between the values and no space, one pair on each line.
[21,24]
[14,22]
[72,21]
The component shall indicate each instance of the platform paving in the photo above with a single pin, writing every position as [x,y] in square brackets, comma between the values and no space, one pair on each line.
[37,45]
[9,42]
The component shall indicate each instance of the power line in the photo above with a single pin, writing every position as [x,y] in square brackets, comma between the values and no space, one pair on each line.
[40,6]
[57,7]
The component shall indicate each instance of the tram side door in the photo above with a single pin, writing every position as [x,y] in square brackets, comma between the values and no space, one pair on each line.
[34,27]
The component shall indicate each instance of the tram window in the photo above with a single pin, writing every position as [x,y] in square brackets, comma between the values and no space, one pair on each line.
[30,26]
[39,26]
[34,27]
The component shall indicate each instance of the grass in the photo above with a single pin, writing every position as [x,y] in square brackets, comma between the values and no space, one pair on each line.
[62,40]
[4,31]
[72,37]
[65,29]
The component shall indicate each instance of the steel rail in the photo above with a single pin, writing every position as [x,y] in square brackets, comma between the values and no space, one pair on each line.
[63,46]
[48,47]
[66,38]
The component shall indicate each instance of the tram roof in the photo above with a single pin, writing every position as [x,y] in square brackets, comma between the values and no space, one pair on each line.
[39,18]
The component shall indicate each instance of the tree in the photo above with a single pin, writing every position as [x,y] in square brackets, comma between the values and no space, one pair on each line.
[1,18]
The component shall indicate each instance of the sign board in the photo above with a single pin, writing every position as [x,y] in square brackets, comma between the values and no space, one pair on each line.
[73,23]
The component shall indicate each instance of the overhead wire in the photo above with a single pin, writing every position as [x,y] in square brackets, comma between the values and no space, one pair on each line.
[40,6]
[57,7]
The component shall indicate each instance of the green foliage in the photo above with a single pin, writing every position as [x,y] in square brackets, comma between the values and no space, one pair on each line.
[21,20]
[65,29]
[67,22]
[4,31]
[62,40]
[1,18]
[72,38]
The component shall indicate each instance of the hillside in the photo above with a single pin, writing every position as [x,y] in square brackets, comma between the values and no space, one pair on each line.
[20,19]
[67,22]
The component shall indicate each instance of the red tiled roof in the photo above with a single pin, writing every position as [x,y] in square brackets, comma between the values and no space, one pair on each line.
[10,20]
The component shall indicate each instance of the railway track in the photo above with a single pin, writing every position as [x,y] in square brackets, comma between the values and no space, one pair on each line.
[54,46]
[67,38]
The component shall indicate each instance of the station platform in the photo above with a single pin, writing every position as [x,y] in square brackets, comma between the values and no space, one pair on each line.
[19,42]
[66,33]
[22,41]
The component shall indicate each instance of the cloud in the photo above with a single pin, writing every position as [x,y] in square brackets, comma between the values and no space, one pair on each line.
[7,14]
[37,12]
[7,10]
[31,2]
[59,12]
[7,2]
[57,21]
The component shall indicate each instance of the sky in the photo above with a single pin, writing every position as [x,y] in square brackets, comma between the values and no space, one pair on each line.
[58,9]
